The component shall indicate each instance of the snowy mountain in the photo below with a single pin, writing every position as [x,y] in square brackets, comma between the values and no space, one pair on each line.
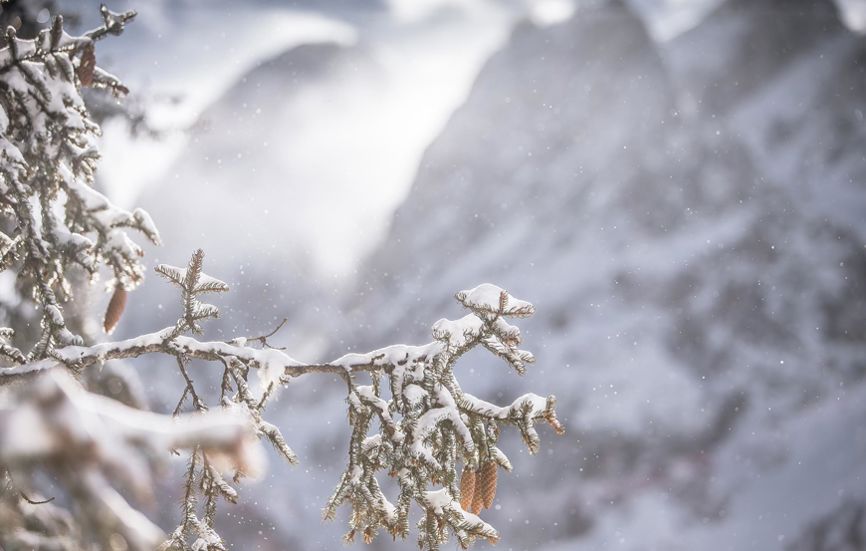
[759,39]
[804,125]
[688,219]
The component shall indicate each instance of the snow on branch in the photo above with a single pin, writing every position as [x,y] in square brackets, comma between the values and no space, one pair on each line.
[488,300]
[48,155]
[193,283]
[86,440]
[428,425]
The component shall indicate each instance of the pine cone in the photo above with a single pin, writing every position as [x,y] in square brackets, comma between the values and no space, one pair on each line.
[114,310]
[467,489]
[87,66]
[486,484]
[477,501]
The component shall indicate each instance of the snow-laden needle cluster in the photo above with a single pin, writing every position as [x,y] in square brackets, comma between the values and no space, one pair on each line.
[428,425]
[412,421]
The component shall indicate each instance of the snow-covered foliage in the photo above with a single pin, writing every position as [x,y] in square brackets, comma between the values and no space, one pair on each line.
[52,217]
[55,224]
[428,424]
[86,440]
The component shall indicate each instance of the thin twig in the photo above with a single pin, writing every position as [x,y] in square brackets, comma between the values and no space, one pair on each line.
[34,501]
[196,401]
[263,339]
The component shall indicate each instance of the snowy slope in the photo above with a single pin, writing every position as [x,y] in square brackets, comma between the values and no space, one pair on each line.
[805,126]
[757,37]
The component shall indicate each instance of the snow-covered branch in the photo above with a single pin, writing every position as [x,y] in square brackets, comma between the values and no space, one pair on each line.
[48,154]
[428,424]
[86,440]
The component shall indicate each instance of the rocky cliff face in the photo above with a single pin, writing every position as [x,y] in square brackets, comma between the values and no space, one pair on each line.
[742,45]
[796,98]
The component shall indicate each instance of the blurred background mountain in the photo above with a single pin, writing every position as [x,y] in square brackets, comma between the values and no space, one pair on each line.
[679,186]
